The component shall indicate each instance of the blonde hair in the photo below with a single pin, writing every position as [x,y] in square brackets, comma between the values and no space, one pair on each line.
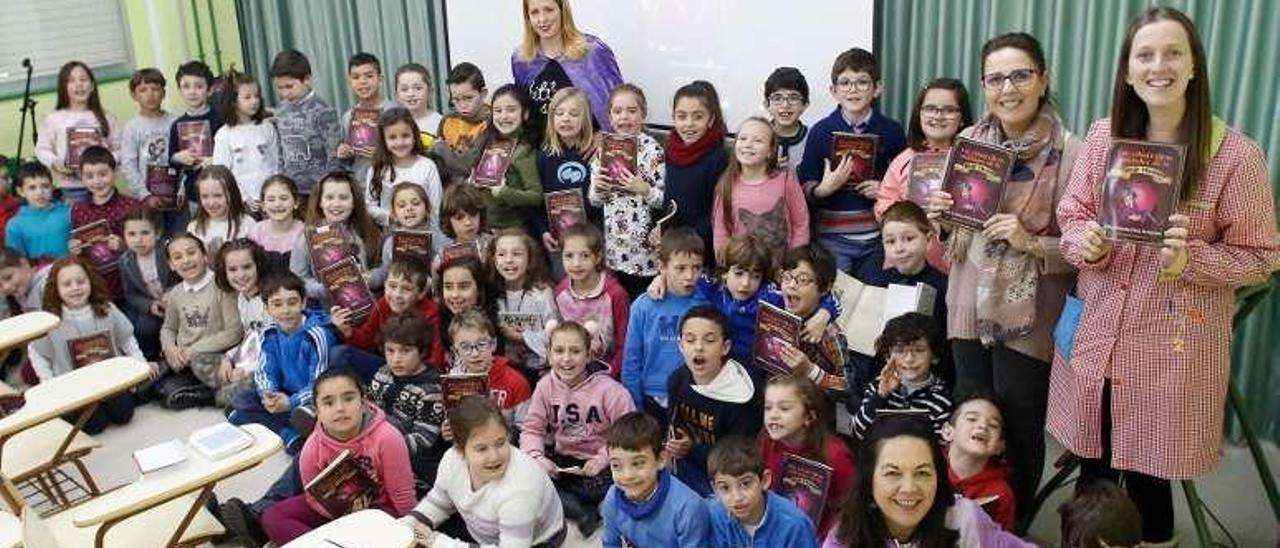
[575,45]
[551,142]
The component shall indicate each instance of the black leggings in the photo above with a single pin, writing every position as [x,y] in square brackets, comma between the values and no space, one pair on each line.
[1021,384]
[1152,495]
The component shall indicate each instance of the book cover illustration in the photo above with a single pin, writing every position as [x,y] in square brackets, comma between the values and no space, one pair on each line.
[411,243]
[492,166]
[975,177]
[1140,190]
[347,288]
[79,138]
[926,176]
[90,349]
[328,246]
[94,237]
[860,148]
[346,485]
[456,250]
[775,327]
[519,321]
[806,483]
[618,155]
[565,209]
[162,183]
[456,386]
[196,137]
[362,133]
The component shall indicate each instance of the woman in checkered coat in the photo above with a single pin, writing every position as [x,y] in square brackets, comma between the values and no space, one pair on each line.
[1142,392]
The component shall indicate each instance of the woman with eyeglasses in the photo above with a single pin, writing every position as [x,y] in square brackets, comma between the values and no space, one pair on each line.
[1008,281]
[1141,394]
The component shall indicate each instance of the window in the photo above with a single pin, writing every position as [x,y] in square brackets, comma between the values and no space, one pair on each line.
[52,32]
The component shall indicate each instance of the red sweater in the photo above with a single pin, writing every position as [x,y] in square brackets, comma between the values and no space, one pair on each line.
[838,458]
[8,209]
[365,335]
[992,480]
[83,213]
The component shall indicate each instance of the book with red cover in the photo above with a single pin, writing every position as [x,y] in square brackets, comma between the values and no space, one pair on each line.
[925,176]
[455,386]
[90,349]
[861,147]
[618,154]
[346,485]
[492,166]
[455,250]
[162,182]
[80,138]
[328,246]
[347,288]
[362,133]
[975,177]
[94,237]
[11,403]
[565,208]
[1143,181]
[196,137]
[411,243]
[806,483]
[774,327]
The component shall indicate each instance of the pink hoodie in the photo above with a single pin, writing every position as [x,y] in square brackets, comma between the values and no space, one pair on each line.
[378,441]
[578,417]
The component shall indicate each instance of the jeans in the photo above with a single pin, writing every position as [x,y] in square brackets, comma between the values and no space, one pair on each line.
[364,363]
[246,408]
[849,254]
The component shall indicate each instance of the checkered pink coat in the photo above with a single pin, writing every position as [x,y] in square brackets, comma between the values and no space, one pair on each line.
[1166,346]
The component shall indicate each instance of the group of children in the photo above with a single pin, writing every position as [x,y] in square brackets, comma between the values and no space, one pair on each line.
[625,373]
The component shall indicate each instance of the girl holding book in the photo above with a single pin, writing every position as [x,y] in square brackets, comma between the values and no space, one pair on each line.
[346,424]
[563,161]
[410,207]
[465,227]
[400,157]
[696,157]
[246,143]
[755,196]
[1156,318]
[280,231]
[519,192]
[335,205]
[525,303]
[222,215]
[78,120]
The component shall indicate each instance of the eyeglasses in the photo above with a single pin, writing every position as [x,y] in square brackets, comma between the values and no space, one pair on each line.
[909,349]
[801,280]
[786,99]
[1020,78]
[940,111]
[861,84]
[468,349]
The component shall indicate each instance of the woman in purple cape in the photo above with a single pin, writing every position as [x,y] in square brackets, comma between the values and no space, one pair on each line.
[555,55]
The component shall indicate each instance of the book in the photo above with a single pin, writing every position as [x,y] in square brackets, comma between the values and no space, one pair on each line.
[519,321]
[455,386]
[1140,190]
[347,484]
[220,440]
[864,309]
[456,250]
[411,243]
[11,403]
[162,182]
[618,155]
[196,137]
[925,176]
[901,299]
[160,455]
[775,327]
[80,138]
[328,246]
[362,132]
[806,483]
[95,236]
[345,283]
[491,169]
[975,177]
[90,349]
[861,148]
[565,209]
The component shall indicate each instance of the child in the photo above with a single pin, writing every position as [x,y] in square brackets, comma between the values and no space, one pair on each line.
[754,196]
[281,230]
[414,90]
[295,350]
[591,296]
[9,205]
[464,219]
[629,199]
[462,132]
[364,76]
[347,422]
[519,196]
[569,418]
[1100,515]
[145,277]
[786,97]
[974,435]
[194,80]
[239,267]
[653,350]
[796,423]
[648,505]
[696,157]
[843,213]
[462,286]
[407,389]
[746,512]
[336,203]
[144,142]
[407,289]
[78,106]
[98,174]
[40,229]
[907,383]
[710,398]
[806,275]
[221,216]
[79,297]
[22,281]
[245,143]
[472,337]
[308,126]
[410,211]
[563,160]
[200,323]
[527,306]
[400,157]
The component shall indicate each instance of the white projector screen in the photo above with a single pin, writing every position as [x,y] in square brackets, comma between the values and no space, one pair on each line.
[663,44]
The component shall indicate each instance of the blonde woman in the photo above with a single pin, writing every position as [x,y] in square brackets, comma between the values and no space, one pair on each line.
[556,55]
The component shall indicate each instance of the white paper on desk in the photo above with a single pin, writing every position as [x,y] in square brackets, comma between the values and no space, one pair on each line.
[159,456]
[220,440]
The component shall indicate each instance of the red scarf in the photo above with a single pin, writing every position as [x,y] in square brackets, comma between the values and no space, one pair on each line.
[686,154]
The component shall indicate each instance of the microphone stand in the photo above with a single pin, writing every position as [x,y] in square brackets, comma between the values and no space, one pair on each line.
[28,108]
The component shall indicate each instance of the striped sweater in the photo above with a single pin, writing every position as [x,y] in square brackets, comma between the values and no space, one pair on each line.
[933,401]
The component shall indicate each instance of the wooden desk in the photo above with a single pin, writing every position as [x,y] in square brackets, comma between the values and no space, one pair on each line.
[10,531]
[363,529]
[26,327]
